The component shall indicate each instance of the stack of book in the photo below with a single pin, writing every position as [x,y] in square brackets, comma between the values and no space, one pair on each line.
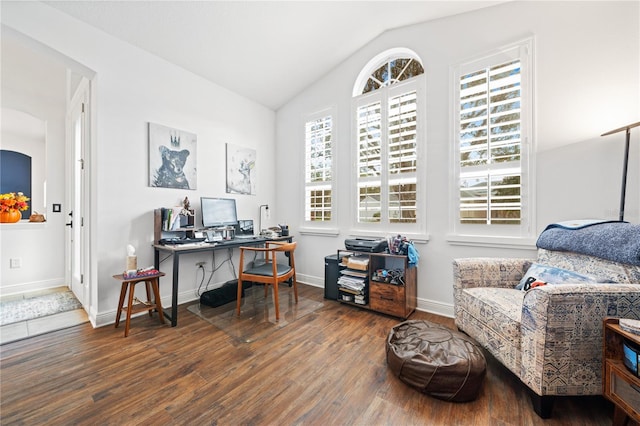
[352,284]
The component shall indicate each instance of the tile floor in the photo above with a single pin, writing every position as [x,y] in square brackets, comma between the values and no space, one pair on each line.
[34,327]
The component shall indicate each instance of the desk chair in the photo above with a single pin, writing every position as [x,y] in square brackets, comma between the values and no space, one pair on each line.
[269,272]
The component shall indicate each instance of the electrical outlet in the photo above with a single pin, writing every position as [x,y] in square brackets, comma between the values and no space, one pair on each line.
[15,263]
[201,264]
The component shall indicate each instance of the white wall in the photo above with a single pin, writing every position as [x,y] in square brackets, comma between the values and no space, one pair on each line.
[587,67]
[131,88]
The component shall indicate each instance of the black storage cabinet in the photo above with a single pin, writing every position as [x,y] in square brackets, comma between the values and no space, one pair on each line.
[331,272]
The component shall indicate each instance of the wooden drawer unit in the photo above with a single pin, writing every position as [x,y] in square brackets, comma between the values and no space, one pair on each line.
[388,298]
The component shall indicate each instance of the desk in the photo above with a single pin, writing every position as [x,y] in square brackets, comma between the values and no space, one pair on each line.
[178,250]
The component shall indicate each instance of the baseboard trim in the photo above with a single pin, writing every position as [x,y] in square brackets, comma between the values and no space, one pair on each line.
[434,307]
[6,290]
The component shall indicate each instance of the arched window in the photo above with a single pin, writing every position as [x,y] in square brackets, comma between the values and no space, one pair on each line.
[390,67]
[388,114]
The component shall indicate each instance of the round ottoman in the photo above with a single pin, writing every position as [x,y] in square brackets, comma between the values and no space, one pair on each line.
[438,361]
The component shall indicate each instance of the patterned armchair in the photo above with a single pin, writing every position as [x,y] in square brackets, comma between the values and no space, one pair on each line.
[550,337]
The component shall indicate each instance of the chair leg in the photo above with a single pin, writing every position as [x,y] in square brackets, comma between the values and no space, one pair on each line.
[295,287]
[542,405]
[275,300]
[239,297]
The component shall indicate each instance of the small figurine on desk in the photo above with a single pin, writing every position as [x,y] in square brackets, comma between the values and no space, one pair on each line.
[186,207]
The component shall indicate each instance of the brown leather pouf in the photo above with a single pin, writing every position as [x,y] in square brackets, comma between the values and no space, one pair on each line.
[438,361]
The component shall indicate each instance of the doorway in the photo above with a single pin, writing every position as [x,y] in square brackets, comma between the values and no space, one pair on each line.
[44,83]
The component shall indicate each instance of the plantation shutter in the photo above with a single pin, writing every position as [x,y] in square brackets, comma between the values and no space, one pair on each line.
[369,161]
[318,169]
[402,157]
[490,141]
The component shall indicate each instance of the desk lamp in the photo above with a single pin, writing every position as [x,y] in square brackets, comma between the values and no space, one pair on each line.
[266,206]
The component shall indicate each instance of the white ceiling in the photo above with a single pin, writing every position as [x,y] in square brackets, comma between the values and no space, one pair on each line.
[267,51]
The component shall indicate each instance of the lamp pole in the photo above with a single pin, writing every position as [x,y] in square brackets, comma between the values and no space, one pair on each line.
[625,164]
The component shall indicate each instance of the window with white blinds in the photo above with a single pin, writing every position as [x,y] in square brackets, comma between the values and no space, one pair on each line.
[402,157]
[369,163]
[386,155]
[492,129]
[319,169]
[490,139]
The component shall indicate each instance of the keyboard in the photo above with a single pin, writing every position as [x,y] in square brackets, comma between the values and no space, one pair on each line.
[180,241]
[245,237]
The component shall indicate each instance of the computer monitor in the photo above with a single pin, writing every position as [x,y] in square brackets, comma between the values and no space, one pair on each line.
[218,212]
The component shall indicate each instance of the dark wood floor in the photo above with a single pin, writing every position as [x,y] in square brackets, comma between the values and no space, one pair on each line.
[327,368]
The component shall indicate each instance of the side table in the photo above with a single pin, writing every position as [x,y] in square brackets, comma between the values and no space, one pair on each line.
[151,284]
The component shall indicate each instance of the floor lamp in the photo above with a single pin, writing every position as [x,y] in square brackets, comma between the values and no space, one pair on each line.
[627,129]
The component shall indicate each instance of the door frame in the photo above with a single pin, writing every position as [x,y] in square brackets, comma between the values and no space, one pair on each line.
[87,294]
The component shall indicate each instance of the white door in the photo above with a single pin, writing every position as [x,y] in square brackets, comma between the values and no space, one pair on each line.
[77,131]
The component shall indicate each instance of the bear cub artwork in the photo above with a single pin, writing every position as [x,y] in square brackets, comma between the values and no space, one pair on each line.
[171,173]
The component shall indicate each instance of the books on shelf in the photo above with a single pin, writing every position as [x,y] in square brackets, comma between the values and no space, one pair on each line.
[173,218]
[352,283]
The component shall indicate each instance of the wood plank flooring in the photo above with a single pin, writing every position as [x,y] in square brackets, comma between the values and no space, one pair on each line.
[328,368]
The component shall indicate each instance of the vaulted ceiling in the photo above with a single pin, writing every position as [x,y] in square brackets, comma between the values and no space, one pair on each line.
[267,51]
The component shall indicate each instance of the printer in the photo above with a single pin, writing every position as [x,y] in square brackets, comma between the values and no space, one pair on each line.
[366,245]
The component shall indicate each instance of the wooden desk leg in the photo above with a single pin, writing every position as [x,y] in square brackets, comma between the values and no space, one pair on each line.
[157,301]
[132,288]
[123,292]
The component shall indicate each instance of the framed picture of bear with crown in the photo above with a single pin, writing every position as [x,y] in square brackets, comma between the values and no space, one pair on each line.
[172,158]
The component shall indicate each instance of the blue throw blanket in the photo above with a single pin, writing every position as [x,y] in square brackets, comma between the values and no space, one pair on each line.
[615,241]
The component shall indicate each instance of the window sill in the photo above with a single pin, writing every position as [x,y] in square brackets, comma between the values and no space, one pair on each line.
[415,237]
[23,224]
[322,232]
[518,243]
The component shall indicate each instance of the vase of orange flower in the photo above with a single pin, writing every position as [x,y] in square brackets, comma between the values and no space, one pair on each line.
[11,204]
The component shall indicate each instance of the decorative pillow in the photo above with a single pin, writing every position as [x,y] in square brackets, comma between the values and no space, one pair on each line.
[542,274]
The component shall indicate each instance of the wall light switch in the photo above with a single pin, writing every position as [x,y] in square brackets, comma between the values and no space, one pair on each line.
[15,263]
[57,208]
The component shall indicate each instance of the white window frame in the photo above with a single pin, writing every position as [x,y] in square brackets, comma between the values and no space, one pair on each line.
[329,226]
[521,235]
[417,230]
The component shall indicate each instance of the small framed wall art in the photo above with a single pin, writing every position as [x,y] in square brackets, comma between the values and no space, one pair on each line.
[172,158]
[241,170]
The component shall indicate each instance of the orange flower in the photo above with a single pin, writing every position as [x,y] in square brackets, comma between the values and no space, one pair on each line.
[13,201]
